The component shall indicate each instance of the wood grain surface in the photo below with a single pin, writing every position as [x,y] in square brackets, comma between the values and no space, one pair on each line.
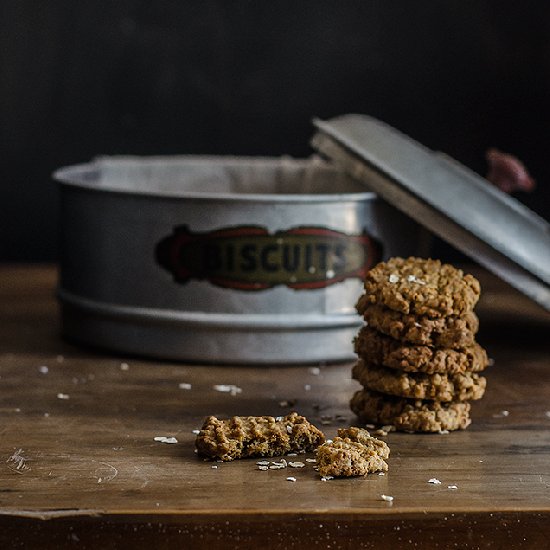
[79,464]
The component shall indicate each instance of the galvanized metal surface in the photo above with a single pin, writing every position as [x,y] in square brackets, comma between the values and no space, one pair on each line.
[114,293]
[447,198]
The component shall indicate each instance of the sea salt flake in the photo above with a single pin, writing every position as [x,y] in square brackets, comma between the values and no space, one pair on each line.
[307,387]
[381,474]
[311,460]
[43,369]
[214,467]
[434,481]
[263,468]
[124,366]
[292,454]
[291,479]
[263,463]
[314,370]
[296,464]
[387,498]
[452,487]
[443,432]
[62,396]
[196,432]
[184,386]
[547,414]
[327,478]
[414,279]
[393,278]
[289,429]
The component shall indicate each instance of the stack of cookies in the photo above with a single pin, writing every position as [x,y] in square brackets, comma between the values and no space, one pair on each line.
[419,363]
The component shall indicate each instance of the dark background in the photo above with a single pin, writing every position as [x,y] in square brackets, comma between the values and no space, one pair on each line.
[80,78]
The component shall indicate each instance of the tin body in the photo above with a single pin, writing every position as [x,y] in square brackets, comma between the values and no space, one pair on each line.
[220,259]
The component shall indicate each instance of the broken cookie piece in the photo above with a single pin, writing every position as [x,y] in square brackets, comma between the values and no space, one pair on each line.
[360,435]
[255,436]
[354,454]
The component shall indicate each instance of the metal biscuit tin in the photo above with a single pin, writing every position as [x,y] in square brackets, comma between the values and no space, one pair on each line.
[220,259]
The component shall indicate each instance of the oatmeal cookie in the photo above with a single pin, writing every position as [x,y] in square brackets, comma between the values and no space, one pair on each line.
[445,332]
[360,435]
[422,287]
[345,457]
[374,347]
[437,387]
[253,436]
[412,415]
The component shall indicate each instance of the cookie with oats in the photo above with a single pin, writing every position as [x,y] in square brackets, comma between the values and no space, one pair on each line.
[256,436]
[376,348]
[360,435]
[421,287]
[445,332]
[411,415]
[437,387]
[346,457]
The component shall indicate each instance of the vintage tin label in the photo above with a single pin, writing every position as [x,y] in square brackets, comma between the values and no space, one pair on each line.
[251,258]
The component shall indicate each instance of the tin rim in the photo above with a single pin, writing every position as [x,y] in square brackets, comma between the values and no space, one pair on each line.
[256,321]
[85,176]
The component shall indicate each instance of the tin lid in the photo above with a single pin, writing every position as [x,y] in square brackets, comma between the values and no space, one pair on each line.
[450,200]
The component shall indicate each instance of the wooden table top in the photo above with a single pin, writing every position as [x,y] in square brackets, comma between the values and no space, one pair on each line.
[80,466]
